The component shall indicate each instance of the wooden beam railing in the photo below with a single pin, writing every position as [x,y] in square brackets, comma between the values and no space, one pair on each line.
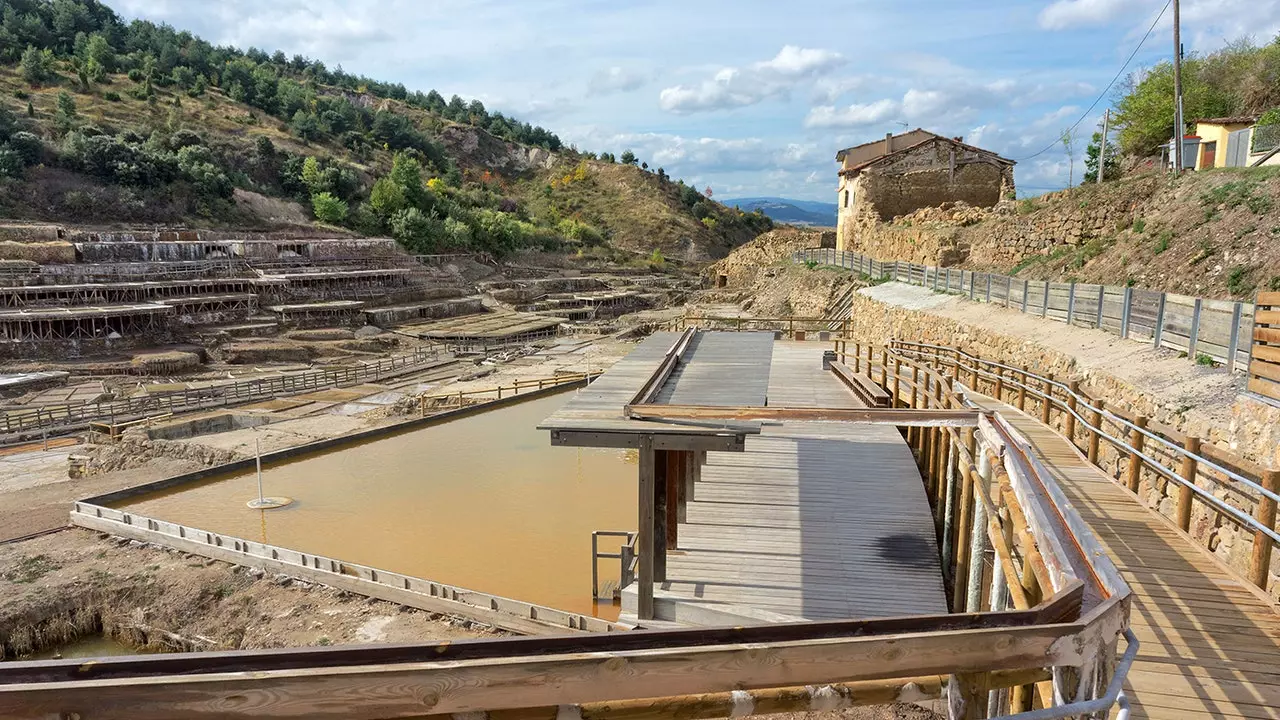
[1148,449]
[440,401]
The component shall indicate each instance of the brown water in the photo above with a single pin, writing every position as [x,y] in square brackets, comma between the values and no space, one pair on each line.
[484,502]
[86,647]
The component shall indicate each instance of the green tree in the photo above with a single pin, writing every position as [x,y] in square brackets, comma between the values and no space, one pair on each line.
[387,198]
[628,157]
[328,209]
[37,65]
[406,172]
[66,118]
[1112,165]
[313,176]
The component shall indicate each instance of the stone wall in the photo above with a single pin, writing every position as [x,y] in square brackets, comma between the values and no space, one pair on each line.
[893,194]
[1253,434]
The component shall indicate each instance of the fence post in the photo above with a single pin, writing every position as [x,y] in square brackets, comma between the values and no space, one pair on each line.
[1095,423]
[1022,389]
[857,357]
[897,376]
[1159,333]
[1026,284]
[1133,471]
[1126,307]
[1102,298]
[988,287]
[884,366]
[973,284]
[1044,306]
[1233,345]
[1185,494]
[1046,404]
[1071,303]
[999,383]
[1193,340]
[1073,389]
[973,374]
[948,279]
[1265,514]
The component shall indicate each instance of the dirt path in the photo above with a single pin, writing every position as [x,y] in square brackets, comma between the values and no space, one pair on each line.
[1208,392]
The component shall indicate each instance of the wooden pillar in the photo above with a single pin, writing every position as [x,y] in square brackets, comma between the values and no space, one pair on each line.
[675,489]
[645,529]
[1185,493]
[857,357]
[1095,432]
[1022,389]
[913,433]
[1265,514]
[973,374]
[1070,430]
[1133,470]
[967,696]
[884,366]
[999,383]
[963,522]
[1046,403]
[661,509]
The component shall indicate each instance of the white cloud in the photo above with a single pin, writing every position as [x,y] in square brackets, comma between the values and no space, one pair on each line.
[1066,14]
[733,87]
[827,90]
[614,80]
[856,115]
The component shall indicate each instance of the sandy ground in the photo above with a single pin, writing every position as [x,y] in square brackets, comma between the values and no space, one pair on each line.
[135,591]
[1210,391]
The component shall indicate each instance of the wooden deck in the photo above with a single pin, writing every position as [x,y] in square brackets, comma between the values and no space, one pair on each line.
[1210,645]
[814,520]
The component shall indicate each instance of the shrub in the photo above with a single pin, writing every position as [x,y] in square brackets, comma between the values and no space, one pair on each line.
[328,208]
[111,96]
[1139,225]
[1202,359]
[1162,242]
[657,259]
[11,164]
[579,231]
[1238,282]
[28,146]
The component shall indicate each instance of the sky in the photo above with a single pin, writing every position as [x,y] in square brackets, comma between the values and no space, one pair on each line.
[749,98]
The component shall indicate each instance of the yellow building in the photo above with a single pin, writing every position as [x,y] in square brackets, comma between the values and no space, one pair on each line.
[1222,139]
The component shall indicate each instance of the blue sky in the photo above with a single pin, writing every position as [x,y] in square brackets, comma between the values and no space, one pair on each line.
[747,97]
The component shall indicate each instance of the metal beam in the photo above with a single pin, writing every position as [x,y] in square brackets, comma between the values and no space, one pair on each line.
[874,416]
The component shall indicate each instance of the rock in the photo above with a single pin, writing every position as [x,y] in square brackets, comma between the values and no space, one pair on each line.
[282,580]
[369,331]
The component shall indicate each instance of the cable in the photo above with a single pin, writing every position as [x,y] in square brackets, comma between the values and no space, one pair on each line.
[1108,87]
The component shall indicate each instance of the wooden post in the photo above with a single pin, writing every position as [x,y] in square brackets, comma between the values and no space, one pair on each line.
[1133,470]
[884,366]
[1046,403]
[1265,514]
[1189,465]
[871,353]
[675,486]
[660,507]
[645,529]
[1022,389]
[959,590]
[967,695]
[1070,429]
[1095,423]
[897,378]
[973,374]
[857,358]
[999,383]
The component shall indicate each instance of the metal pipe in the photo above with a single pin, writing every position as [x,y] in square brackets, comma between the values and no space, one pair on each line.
[1113,696]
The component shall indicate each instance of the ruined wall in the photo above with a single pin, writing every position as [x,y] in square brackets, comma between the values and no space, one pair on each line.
[892,194]
[1253,433]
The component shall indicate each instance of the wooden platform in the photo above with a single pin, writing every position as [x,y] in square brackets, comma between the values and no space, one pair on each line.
[813,521]
[1210,646]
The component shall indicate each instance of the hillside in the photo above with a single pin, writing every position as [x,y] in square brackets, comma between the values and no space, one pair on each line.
[107,124]
[791,212]
[1213,234]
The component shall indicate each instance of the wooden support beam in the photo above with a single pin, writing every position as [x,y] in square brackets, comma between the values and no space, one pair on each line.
[1046,402]
[875,416]
[660,506]
[969,698]
[1070,429]
[1022,388]
[1095,431]
[675,487]
[645,530]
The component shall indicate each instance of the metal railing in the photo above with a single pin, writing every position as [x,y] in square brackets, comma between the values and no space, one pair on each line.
[1147,447]
[1202,328]
[626,557]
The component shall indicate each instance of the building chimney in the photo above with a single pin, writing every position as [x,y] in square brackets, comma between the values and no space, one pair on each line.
[888,143]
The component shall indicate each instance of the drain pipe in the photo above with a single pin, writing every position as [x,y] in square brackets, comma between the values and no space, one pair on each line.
[1113,696]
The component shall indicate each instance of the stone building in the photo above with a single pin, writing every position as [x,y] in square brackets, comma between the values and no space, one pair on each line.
[887,178]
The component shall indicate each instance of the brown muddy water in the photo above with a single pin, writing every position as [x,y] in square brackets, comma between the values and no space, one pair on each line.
[484,502]
[92,646]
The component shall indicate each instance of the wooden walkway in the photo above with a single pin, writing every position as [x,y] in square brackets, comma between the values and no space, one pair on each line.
[1210,645]
[815,520]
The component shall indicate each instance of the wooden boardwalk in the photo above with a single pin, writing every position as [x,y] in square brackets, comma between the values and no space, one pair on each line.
[1210,645]
[815,520]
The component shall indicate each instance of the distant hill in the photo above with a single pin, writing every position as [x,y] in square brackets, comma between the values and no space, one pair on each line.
[786,210]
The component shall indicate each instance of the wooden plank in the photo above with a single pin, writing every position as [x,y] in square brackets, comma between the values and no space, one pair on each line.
[1263,387]
[1268,298]
[1268,370]
[1267,335]
[881,416]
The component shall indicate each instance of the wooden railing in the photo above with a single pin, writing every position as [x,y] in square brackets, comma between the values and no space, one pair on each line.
[1144,449]
[19,422]
[1206,330]
[795,328]
[440,401]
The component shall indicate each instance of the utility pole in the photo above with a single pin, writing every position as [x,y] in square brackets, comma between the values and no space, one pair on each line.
[1178,126]
[1102,147]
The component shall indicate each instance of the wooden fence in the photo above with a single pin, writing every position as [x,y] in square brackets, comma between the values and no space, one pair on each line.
[428,403]
[1206,330]
[1264,368]
[33,420]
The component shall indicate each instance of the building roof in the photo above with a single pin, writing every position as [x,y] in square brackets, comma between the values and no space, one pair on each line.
[1229,120]
[934,139]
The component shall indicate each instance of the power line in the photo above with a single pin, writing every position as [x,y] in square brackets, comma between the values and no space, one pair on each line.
[1108,87]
